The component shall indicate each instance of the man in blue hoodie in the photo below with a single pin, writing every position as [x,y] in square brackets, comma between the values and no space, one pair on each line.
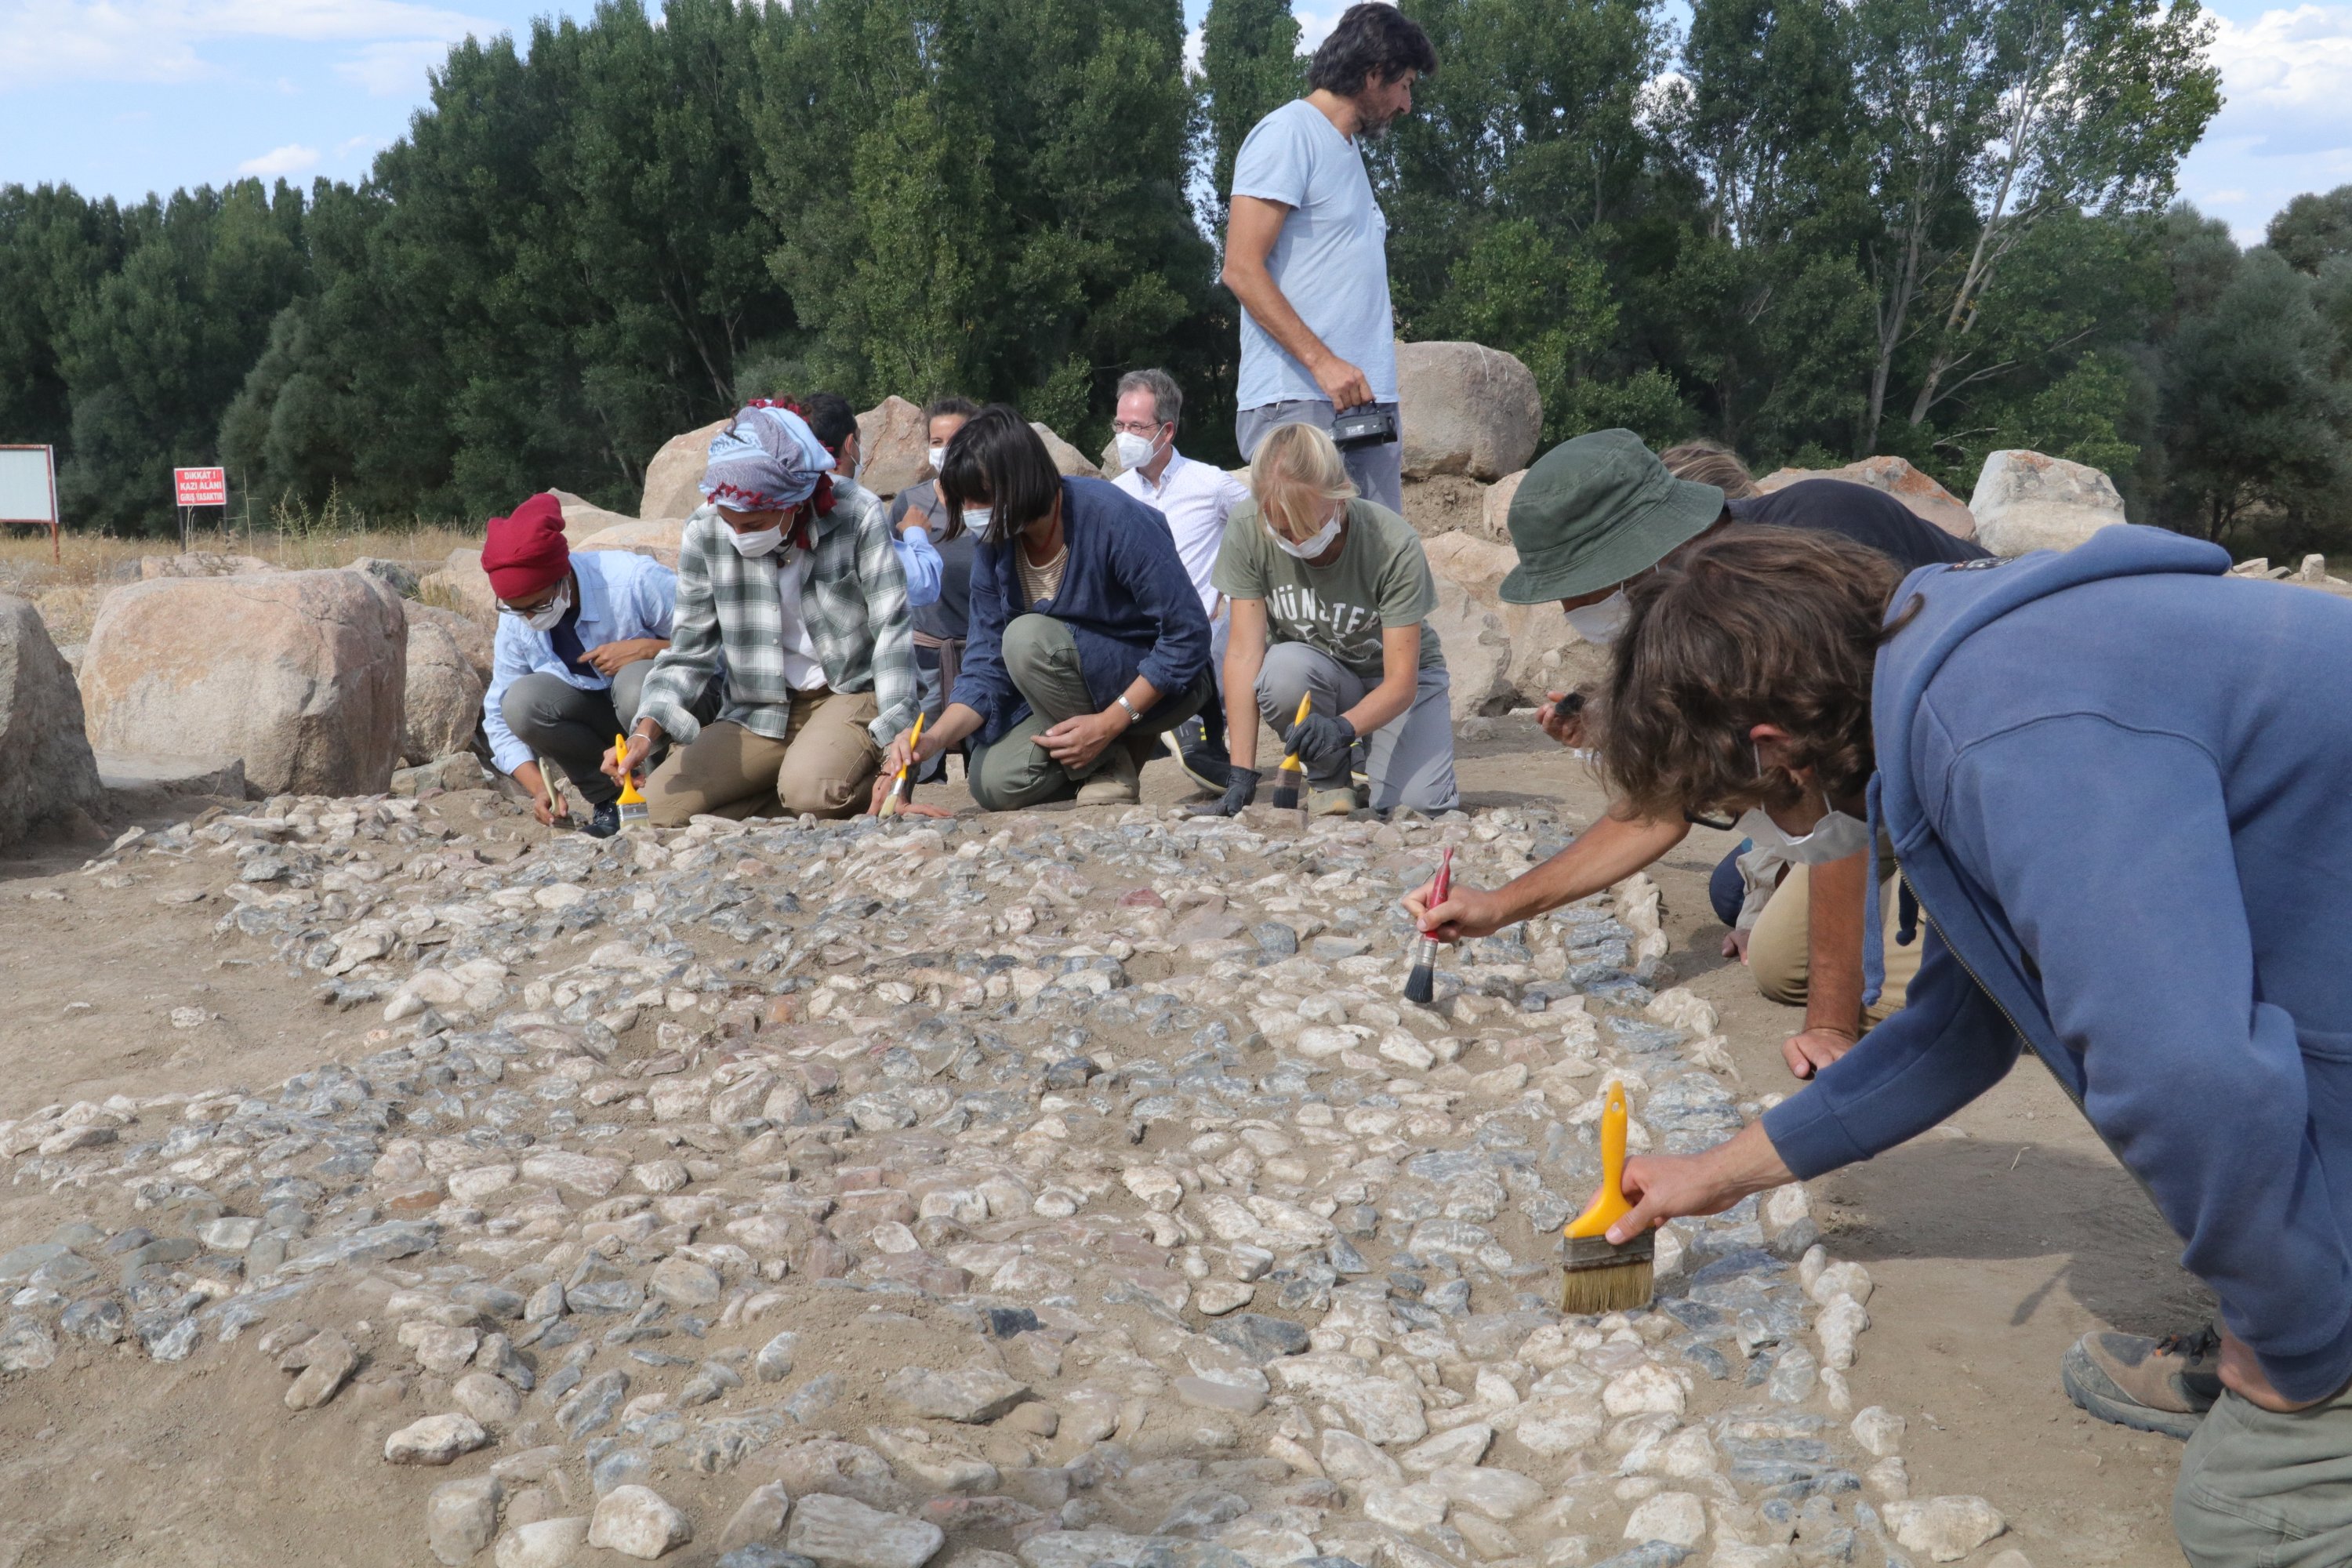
[2118,796]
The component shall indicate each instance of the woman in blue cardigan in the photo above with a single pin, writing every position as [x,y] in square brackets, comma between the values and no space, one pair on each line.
[1087,640]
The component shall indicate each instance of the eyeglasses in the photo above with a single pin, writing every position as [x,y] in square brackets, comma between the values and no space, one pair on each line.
[531,609]
[1130,427]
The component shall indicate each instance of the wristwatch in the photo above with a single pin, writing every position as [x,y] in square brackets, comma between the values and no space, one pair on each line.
[1132,716]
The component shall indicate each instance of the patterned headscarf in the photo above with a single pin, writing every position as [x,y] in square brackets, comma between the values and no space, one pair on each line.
[766,460]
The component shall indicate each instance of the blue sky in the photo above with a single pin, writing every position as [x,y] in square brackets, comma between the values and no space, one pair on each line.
[123,97]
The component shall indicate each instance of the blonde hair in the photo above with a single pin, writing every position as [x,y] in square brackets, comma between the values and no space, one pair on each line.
[1295,476]
[1706,463]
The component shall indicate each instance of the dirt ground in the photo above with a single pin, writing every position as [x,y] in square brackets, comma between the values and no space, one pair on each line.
[1993,1242]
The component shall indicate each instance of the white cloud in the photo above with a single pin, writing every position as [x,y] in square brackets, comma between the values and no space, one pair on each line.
[55,41]
[2223,198]
[290,159]
[358,144]
[2287,76]
[393,69]
[1193,45]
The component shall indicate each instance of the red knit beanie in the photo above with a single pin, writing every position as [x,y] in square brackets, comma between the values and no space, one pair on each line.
[527,551]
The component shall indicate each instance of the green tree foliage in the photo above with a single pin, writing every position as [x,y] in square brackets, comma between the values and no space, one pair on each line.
[2310,230]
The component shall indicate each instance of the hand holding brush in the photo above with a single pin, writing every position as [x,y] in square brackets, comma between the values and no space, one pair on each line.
[1286,777]
[899,788]
[1421,986]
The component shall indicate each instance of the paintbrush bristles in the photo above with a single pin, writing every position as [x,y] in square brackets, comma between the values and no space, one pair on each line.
[1420,984]
[1595,1293]
[1596,1278]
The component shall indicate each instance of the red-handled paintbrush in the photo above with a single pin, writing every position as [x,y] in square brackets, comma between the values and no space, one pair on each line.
[1422,984]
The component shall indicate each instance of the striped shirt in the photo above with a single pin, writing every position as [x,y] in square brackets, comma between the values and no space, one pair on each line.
[731,622]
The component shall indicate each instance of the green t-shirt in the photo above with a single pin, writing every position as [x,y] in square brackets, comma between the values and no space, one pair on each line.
[1381,580]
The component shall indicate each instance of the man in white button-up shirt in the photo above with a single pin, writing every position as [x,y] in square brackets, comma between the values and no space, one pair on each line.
[1195,498]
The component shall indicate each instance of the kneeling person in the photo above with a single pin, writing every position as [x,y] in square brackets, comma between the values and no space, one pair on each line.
[1086,641]
[1328,593]
[577,636]
[799,608]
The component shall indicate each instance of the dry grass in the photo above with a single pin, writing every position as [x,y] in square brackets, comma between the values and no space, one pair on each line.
[69,591]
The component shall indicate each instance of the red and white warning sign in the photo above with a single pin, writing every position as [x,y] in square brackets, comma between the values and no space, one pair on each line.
[200,486]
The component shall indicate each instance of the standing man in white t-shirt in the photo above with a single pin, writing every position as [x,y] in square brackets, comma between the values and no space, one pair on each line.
[1195,498]
[1307,246]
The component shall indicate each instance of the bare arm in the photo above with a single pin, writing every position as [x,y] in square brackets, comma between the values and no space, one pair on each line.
[1833,935]
[1245,657]
[1251,230]
[1603,855]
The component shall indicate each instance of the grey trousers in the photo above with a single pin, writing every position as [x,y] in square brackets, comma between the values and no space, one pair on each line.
[1043,660]
[1411,757]
[574,728]
[1379,471]
[2258,1490]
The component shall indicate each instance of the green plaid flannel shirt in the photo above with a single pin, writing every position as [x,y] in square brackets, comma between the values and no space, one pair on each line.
[854,605]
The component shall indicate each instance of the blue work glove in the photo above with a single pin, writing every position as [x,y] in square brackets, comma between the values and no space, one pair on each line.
[1320,743]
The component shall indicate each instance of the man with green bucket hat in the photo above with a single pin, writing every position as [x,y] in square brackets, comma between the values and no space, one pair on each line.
[1594,513]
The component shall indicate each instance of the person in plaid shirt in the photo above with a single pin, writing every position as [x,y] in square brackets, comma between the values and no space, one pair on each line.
[799,607]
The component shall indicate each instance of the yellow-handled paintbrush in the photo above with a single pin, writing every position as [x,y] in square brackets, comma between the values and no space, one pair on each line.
[1286,779]
[1596,1277]
[633,804]
[899,789]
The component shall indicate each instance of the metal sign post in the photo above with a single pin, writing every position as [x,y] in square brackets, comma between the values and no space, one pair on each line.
[28,489]
[192,488]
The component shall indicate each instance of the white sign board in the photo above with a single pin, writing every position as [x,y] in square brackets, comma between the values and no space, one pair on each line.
[28,491]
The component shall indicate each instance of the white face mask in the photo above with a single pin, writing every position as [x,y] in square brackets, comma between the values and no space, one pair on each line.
[1836,837]
[1314,544]
[759,542]
[977,517]
[1600,622]
[939,455]
[1134,451]
[544,618]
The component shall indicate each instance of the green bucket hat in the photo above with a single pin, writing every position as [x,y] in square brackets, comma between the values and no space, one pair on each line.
[1598,511]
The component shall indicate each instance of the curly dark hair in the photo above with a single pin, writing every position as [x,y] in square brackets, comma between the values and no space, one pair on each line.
[1750,626]
[1373,41]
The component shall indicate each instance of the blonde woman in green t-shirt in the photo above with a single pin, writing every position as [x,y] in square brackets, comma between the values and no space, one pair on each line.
[1329,595]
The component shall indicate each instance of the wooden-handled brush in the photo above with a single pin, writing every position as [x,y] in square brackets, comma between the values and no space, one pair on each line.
[1285,778]
[900,791]
[1595,1277]
[1422,984]
[633,804]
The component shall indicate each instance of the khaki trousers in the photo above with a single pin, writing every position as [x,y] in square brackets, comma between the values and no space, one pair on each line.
[824,767]
[2263,1489]
[1780,950]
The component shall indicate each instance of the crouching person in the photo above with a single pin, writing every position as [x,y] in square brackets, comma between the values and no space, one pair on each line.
[577,636]
[1086,641]
[799,608]
[1329,592]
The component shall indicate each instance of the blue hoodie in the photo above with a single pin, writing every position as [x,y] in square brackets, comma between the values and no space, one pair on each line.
[2117,785]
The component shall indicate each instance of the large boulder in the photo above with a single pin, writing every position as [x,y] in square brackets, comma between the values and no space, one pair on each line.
[1067,459]
[2025,501]
[461,585]
[674,479]
[1467,409]
[301,675]
[657,537]
[47,771]
[894,438]
[1495,519]
[442,706]
[582,517]
[1545,653]
[1477,651]
[1928,500]
[478,643]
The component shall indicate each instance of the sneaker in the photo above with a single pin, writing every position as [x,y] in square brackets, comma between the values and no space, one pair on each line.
[1203,766]
[2151,1385]
[1113,784]
[1336,801]
[606,822]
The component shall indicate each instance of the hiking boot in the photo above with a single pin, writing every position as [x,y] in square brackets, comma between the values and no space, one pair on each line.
[1203,766]
[1116,782]
[2151,1385]
[605,822]
[1335,801]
